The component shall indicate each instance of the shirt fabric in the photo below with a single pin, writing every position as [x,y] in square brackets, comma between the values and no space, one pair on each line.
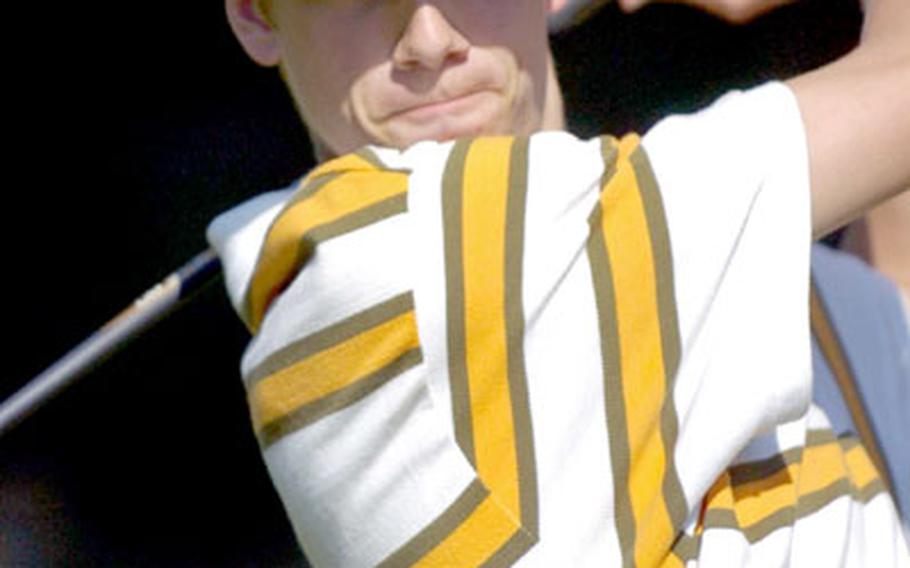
[547,351]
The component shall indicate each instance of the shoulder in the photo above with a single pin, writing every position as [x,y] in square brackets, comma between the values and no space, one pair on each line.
[746,136]
[237,236]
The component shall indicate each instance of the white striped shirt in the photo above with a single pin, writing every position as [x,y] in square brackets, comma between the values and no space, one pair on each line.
[548,352]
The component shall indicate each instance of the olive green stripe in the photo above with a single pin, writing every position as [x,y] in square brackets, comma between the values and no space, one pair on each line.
[748,472]
[453,231]
[384,209]
[686,547]
[525,537]
[812,502]
[872,489]
[783,517]
[331,336]
[605,298]
[848,441]
[308,189]
[806,505]
[388,207]
[434,533]
[820,437]
[720,519]
[609,152]
[671,345]
[363,217]
[452,201]
[309,413]
[662,253]
[368,155]
[515,333]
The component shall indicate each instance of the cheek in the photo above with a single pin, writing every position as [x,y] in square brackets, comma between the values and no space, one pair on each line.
[518,27]
[328,45]
[324,67]
[512,23]
[325,62]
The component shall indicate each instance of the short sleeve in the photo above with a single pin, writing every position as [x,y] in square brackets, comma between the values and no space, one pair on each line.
[735,185]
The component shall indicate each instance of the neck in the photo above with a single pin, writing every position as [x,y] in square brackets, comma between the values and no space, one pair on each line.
[554,116]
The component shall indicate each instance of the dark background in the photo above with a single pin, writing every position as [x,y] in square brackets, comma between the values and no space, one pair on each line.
[129,126]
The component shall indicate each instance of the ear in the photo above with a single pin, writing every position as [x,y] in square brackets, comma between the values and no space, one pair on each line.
[254,31]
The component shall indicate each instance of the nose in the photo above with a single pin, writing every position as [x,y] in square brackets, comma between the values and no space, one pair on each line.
[429,40]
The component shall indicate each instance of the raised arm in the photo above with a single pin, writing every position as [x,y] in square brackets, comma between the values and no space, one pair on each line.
[733,11]
[856,112]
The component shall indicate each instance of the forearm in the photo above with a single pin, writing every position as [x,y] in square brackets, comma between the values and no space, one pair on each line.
[886,25]
[855,111]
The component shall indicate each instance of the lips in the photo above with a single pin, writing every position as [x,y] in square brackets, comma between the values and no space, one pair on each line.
[435,107]
[422,93]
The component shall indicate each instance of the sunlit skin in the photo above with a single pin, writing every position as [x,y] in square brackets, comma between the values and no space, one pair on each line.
[395,72]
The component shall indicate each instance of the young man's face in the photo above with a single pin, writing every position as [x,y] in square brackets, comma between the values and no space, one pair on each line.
[394,72]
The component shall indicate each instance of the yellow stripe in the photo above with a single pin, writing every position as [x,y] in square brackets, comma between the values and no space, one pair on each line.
[486,179]
[760,499]
[629,248]
[349,192]
[492,535]
[331,370]
[819,467]
[475,540]
[671,345]
[720,496]
[823,472]
[862,471]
